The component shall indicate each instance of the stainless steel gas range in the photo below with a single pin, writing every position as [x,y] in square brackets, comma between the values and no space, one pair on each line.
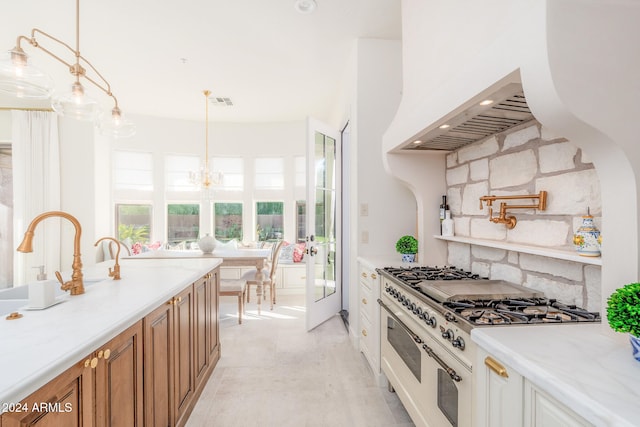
[426,320]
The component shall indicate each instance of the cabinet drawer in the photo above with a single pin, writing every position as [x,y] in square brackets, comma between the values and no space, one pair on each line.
[367,303]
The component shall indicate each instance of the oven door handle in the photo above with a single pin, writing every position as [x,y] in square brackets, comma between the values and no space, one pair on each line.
[452,373]
[414,336]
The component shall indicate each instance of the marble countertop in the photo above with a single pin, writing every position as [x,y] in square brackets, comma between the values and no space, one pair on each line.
[390,260]
[588,368]
[44,343]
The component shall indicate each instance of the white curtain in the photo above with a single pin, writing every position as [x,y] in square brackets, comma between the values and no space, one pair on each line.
[36,180]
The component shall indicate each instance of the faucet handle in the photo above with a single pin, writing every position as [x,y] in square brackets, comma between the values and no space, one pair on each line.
[64,286]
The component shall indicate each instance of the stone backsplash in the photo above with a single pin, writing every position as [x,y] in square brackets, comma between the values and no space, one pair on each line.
[525,161]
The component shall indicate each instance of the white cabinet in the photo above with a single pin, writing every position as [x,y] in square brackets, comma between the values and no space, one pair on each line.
[369,317]
[505,398]
[541,410]
[498,392]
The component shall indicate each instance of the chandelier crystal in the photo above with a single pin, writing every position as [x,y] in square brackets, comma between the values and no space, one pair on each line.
[21,79]
[204,179]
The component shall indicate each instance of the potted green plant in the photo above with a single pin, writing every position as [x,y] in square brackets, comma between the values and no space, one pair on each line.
[623,314]
[408,247]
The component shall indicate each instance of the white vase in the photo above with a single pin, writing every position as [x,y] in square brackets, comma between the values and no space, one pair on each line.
[207,244]
[587,238]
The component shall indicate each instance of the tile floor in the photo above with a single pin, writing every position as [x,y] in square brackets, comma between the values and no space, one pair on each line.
[273,373]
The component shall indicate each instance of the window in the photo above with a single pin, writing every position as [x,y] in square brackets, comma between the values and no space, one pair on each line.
[228,221]
[132,171]
[270,173]
[270,220]
[177,170]
[300,167]
[232,169]
[133,223]
[183,225]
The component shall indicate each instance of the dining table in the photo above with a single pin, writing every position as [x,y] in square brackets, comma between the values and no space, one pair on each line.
[241,257]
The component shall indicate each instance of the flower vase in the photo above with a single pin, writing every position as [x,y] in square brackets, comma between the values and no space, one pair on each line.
[587,238]
[207,244]
[635,346]
[408,257]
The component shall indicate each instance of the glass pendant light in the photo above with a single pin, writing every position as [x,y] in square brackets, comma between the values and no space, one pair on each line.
[76,104]
[117,126]
[20,79]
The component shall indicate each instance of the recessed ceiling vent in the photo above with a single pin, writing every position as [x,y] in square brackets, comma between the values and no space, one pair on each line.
[477,122]
[220,101]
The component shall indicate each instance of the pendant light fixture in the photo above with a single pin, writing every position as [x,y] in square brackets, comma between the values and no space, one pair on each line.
[21,79]
[204,179]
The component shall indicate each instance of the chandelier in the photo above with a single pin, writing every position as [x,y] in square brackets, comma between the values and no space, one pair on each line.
[22,80]
[204,179]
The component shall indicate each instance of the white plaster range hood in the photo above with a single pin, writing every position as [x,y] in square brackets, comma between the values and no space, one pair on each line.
[508,109]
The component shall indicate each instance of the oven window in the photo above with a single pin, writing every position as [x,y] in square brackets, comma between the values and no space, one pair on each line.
[404,346]
[447,397]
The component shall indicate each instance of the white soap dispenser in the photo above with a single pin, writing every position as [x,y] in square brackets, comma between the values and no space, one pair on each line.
[42,292]
[447,225]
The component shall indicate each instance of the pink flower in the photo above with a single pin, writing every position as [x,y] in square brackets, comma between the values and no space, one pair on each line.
[136,248]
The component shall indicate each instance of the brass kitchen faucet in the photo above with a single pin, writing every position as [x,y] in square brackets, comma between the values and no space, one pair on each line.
[76,284]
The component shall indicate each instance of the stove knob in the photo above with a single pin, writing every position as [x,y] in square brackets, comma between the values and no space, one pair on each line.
[413,307]
[387,290]
[450,317]
[423,316]
[431,321]
[418,312]
[406,302]
[458,342]
[401,298]
[448,334]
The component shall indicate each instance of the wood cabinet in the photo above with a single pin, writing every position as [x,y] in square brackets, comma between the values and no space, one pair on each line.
[150,374]
[103,389]
[118,396]
[181,350]
[66,400]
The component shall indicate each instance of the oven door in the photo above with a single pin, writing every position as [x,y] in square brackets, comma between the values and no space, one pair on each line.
[432,384]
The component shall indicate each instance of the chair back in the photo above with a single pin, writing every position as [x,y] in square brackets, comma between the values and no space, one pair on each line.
[275,256]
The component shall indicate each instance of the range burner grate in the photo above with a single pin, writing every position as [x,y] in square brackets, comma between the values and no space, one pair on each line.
[413,275]
[519,311]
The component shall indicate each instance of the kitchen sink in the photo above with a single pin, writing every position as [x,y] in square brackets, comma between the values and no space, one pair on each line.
[10,305]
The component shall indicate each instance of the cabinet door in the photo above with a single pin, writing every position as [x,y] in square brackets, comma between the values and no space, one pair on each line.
[184,372]
[214,334]
[66,401]
[542,410]
[201,290]
[158,366]
[498,392]
[119,398]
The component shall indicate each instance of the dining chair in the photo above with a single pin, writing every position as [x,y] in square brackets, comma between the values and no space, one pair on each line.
[268,274]
[234,287]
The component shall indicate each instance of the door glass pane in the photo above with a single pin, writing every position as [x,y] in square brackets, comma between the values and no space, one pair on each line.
[228,218]
[301,220]
[325,214]
[183,225]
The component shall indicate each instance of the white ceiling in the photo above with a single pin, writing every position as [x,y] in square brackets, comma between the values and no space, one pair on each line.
[273,62]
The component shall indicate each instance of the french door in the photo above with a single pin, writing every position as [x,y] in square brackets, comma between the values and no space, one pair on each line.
[323,288]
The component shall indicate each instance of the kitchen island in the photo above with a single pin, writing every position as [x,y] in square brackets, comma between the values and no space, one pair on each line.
[583,367]
[43,344]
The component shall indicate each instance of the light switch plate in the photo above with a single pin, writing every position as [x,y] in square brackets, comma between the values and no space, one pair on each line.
[364,237]
[364,209]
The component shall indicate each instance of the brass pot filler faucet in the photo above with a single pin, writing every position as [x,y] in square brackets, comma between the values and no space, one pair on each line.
[510,221]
